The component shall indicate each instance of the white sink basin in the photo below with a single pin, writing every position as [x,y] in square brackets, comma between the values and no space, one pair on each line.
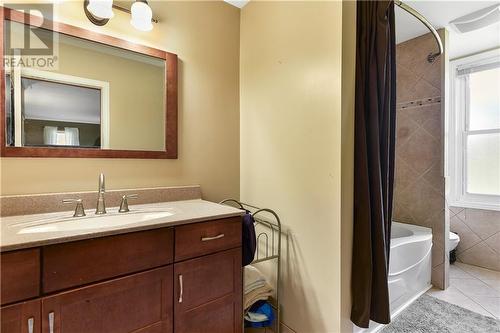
[91,221]
[23,231]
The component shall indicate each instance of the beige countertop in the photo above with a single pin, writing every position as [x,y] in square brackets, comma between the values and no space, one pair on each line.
[24,231]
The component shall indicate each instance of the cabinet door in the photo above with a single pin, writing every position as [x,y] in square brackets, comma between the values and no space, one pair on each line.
[21,318]
[208,294]
[20,275]
[137,303]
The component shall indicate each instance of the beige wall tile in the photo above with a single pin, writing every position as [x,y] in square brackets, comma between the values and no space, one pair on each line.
[401,214]
[494,242]
[421,151]
[461,214]
[434,176]
[437,253]
[405,127]
[437,278]
[467,237]
[419,176]
[481,255]
[423,89]
[455,210]
[422,201]
[433,124]
[405,81]
[483,222]
[423,113]
[404,175]
[433,74]
[413,53]
[479,232]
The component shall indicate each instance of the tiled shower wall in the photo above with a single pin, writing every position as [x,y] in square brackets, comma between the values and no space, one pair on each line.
[479,232]
[419,178]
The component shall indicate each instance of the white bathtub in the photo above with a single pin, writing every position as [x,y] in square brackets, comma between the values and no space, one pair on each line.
[409,265]
[410,268]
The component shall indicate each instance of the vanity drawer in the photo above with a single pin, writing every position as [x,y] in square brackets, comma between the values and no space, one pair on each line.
[198,239]
[20,275]
[82,262]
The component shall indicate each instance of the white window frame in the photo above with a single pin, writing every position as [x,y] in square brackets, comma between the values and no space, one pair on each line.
[17,73]
[457,126]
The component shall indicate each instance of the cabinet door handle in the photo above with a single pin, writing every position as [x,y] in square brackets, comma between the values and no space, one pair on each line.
[51,322]
[181,287]
[206,239]
[31,322]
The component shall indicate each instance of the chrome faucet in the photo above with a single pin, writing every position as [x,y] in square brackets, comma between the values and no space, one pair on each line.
[101,205]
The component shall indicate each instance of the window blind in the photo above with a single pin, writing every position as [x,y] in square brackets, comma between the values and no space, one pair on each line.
[477,68]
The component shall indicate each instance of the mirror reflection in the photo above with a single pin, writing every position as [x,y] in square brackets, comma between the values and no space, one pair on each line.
[97,96]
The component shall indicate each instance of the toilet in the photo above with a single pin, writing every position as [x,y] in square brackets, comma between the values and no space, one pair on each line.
[453,242]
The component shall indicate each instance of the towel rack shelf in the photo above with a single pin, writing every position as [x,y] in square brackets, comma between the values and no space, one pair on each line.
[268,236]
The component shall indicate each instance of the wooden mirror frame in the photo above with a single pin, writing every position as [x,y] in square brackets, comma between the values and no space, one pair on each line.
[170,151]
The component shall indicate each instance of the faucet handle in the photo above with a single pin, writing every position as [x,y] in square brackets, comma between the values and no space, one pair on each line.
[79,210]
[124,203]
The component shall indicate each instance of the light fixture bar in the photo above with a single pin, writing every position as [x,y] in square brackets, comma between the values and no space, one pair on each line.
[125,10]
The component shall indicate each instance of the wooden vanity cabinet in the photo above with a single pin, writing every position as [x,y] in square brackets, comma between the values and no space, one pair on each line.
[197,239]
[134,282]
[105,258]
[208,293]
[137,303]
[21,317]
[19,275]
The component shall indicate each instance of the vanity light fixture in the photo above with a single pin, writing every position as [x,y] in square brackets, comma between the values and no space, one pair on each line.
[141,15]
[99,12]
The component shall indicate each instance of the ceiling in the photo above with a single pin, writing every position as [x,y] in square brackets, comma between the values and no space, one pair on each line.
[44,100]
[440,13]
[237,3]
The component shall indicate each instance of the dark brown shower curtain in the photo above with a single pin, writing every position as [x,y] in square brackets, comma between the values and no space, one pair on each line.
[375,120]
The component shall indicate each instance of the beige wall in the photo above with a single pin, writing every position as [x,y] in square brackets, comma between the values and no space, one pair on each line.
[291,146]
[347,183]
[419,189]
[205,35]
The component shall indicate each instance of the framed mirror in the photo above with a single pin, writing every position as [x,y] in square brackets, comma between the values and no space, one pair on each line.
[83,94]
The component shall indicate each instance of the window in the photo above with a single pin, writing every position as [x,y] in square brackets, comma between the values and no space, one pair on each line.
[474,127]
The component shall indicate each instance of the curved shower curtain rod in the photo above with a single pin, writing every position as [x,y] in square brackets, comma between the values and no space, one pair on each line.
[432,56]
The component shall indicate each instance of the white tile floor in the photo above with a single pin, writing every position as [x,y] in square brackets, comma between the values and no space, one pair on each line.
[473,288]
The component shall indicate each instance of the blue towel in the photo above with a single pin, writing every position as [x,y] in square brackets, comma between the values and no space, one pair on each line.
[261,307]
[248,238]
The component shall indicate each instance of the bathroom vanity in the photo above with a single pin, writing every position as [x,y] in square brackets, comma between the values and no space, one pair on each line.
[180,272]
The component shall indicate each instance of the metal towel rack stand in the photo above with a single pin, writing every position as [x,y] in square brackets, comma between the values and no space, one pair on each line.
[268,237]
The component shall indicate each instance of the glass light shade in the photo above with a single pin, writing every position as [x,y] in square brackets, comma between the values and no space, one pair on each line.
[101,8]
[141,16]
